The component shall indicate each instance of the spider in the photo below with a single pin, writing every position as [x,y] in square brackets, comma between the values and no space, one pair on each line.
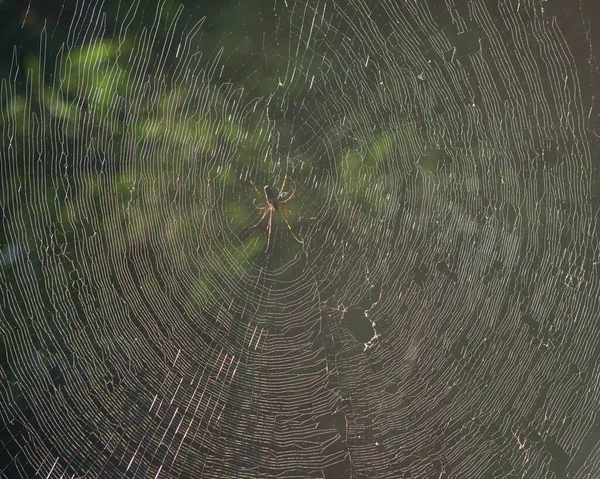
[273,204]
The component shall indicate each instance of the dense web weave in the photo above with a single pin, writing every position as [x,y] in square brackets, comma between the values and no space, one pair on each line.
[430,309]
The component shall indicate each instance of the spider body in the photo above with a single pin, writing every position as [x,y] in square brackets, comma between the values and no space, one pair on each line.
[274,203]
[271,198]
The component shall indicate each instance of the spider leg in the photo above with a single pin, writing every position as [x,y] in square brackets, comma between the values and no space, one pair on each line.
[262,218]
[256,189]
[260,208]
[282,187]
[289,226]
[287,199]
[270,227]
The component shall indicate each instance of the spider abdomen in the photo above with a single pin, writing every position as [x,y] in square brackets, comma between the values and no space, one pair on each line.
[271,198]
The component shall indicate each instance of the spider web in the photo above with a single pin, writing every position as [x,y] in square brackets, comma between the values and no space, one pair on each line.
[435,314]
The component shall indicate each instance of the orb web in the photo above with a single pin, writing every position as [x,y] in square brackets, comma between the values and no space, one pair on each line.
[429,307]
